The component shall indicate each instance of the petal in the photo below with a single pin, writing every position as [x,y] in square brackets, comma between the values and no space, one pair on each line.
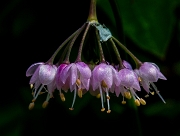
[51,87]
[161,76]
[58,76]
[65,73]
[84,70]
[127,77]
[30,71]
[35,77]
[47,73]
[145,85]
[116,78]
[149,72]
[127,65]
[73,74]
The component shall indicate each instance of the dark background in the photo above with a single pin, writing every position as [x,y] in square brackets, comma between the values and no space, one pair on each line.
[31,31]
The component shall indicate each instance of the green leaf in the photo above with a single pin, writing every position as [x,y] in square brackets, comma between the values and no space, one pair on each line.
[148,23]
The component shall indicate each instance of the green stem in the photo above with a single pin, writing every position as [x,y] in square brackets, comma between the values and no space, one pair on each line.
[117,53]
[92,12]
[102,58]
[72,43]
[82,43]
[136,60]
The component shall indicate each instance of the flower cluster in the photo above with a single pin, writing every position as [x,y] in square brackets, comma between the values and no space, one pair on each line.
[85,74]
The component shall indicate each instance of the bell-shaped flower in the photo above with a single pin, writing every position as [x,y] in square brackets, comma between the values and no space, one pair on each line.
[104,76]
[42,74]
[76,76]
[149,73]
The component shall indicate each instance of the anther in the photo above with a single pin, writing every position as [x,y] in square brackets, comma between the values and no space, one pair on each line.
[127,94]
[98,95]
[31,105]
[142,101]
[147,95]
[33,100]
[80,93]
[103,84]
[109,111]
[108,97]
[71,108]
[123,102]
[62,97]
[137,102]
[78,82]
[139,79]
[152,93]
[31,86]
[103,109]
[45,104]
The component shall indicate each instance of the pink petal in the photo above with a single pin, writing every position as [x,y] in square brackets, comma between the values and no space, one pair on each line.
[84,70]
[47,74]
[30,71]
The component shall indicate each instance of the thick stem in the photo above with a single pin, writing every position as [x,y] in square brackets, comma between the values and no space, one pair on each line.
[92,12]
[102,59]
[136,60]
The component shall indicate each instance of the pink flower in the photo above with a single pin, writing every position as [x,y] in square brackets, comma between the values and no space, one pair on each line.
[103,78]
[42,74]
[75,76]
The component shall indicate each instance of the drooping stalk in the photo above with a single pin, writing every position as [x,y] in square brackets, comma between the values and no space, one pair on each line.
[92,12]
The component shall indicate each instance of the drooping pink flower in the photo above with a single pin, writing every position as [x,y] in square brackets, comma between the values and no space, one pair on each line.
[104,76]
[42,74]
[149,73]
[75,76]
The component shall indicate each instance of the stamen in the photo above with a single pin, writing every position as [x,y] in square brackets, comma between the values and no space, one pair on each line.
[101,94]
[137,102]
[123,101]
[38,92]
[139,78]
[80,93]
[155,88]
[142,101]
[45,103]
[104,84]
[127,94]
[107,96]
[73,100]
[31,105]
[146,96]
